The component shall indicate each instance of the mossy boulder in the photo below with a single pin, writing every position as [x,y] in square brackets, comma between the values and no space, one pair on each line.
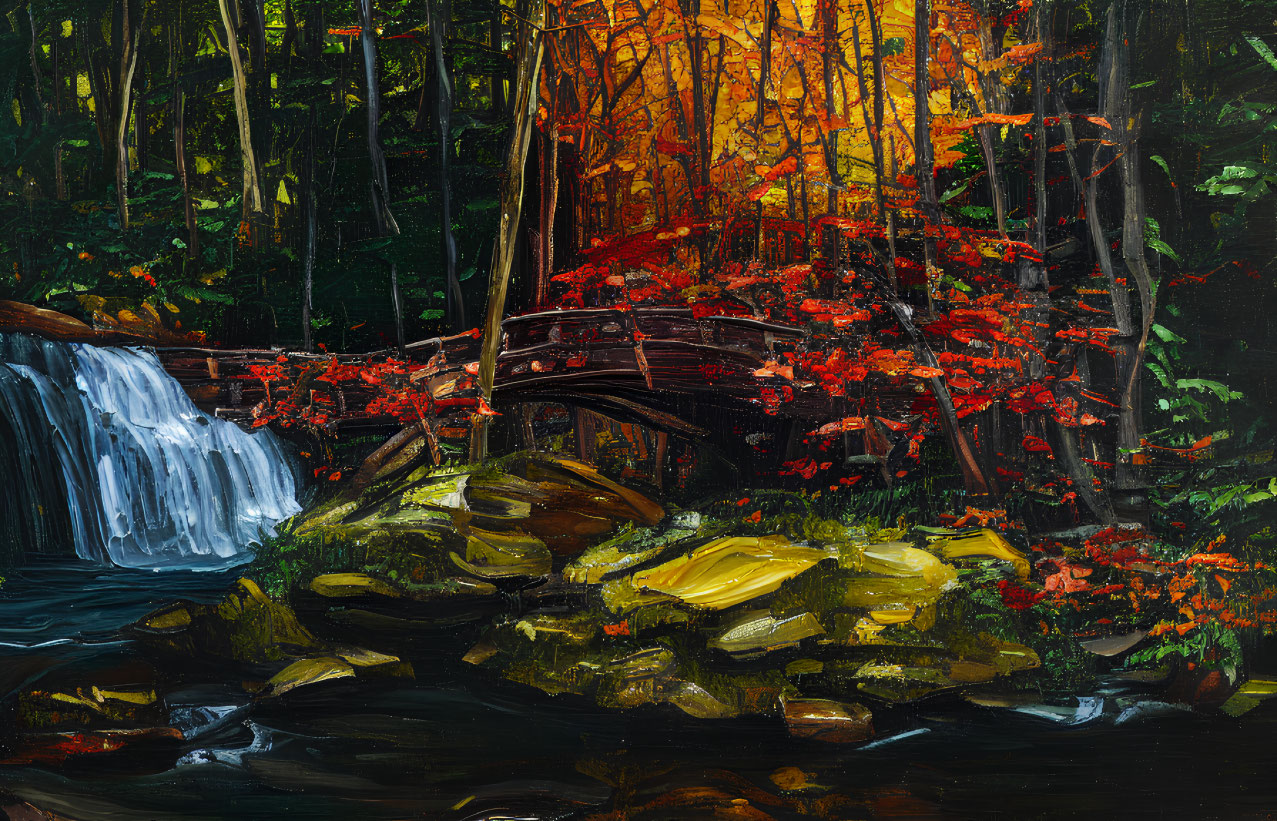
[246,626]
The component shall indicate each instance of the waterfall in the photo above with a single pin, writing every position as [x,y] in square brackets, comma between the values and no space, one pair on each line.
[103,450]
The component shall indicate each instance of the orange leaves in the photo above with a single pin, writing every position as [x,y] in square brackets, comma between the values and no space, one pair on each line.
[770,173]
[1023,52]
[823,306]
[773,368]
[846,425]
[995,119]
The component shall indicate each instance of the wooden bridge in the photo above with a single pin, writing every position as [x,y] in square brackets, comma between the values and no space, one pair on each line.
[663,367]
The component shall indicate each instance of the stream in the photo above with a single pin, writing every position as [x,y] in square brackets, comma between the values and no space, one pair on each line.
[456,744]
[112,470]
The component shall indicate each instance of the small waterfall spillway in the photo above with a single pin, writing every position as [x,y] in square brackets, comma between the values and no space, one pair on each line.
[102,450]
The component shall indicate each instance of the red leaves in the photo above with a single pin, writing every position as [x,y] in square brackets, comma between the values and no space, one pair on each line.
[1034,444]
[1016,597]
[670,149]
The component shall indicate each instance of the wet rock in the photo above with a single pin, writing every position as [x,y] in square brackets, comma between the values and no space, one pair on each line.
[759,632]
[793,779]
[15,809]
[495,555]
[306,672]
[246,626]
[898,576]
[629,549]
[565,503]
[90,707]
[1249,696]
[695,700]
[984,543]
[349,585]
[729,571]
[372,663]
[1114,645]
[480,652]
[826,720]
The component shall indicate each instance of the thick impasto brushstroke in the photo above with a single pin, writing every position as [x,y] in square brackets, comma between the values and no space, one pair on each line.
[637,409]
[146,479]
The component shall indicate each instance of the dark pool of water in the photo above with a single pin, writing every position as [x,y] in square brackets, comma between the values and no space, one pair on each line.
[457,745]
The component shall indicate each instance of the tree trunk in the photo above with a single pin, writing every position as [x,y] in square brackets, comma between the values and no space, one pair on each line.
[924,161]
[975,476]
[1126,125]
[549,191]
[179,161]
[379,181]
[311,204]
[128,67]
[261,81]
[440,17]
[397,304]
[873,130]
[531,52]
[498,81]
[252,194]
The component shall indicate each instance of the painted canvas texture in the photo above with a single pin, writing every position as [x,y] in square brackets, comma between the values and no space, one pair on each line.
[637,409]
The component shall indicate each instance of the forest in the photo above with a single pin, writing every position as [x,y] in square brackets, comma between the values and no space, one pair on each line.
[812,359]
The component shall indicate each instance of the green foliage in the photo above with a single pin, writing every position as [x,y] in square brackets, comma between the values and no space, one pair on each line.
[60,236]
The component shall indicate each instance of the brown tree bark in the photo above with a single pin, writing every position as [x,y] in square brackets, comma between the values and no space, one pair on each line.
[379,181]
[440,18]
[531,52]
[128,67]
[252,194]
[924,158]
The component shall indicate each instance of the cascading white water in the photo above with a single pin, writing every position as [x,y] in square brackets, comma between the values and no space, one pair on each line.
[147,480]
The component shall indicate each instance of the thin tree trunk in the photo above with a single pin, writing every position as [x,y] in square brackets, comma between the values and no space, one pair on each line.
[440,17]
[252,193]
[102,104]
[128,66]
[1126,124]
[1112,85]
[311,205]
[498,81]
[36,79]
[862,86]
[261,81]
[879,95]
[525,101]
[179,160]
[397,304]
[975,476]
[59,175]
[549,190]
[379,181]
[924,161]
[1032,274]
[990,84]
[828,56]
